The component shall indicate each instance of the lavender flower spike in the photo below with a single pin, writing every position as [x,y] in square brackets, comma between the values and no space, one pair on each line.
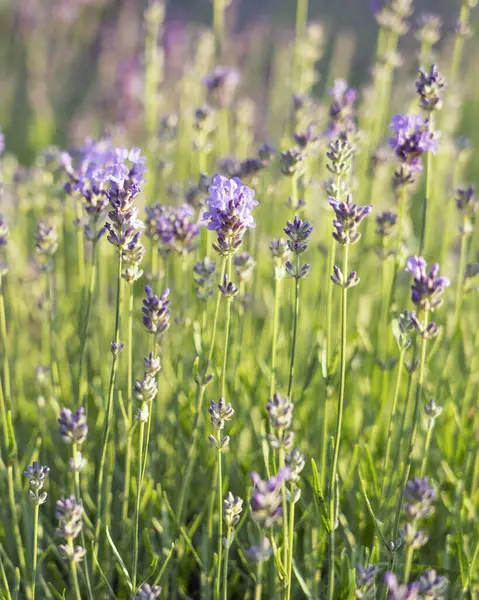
[230,207]
[397,591]
[348,218]
[73,426]
[148,592]
[156,311]
[427,289]
[412,138]
[266,499]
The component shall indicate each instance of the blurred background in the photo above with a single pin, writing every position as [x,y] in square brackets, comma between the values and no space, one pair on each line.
[71,68]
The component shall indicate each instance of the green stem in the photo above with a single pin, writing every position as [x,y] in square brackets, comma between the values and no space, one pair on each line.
[138,498]
[277,293]
[289,564]
[15,525]
[258,589]
[225,568]
[408,563]
[199,407]
[295,333]
[427,198]
[284,505]
[109,408]
[82,383]
[339,423]
[412,439]
[4,340]
[391,421]
[129,409]
[219,25]
[460,279]
[427,446]
[73,566]
[227,334]
[35,548]
[80,249]
[458,44]
[220,516]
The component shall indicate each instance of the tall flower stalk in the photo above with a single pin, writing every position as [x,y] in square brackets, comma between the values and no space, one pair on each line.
[348,218]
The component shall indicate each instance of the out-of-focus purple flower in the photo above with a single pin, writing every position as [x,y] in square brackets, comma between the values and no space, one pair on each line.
[204,278]
[156,311]
[73,426]
[230,208]
[69,512]
[420,495]
[180,229]
[266,498]
[260,552]
[366,581]
[3,232]
[341,112]
[397,591]
[244,265]
[46,239]
[412,138]
[221,84]
[427,289]
[148,592]
[432,586]
[348,218]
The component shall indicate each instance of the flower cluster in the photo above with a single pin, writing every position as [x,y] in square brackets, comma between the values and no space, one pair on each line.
[232,508]
[467,205]
[204,271]
[266,498]
[148,592]
[36,478]
[365,582]
[429,28]
[298,232]
[280,411]
[429,86]
[427,289]
[420,495]
[46,240]
[429,586]
[221,85]
[341,112]
[348,218]
[392,15]
[73,426]
[156,311]
[228,289]
[279,250]
[145,390]
[173,228]
[292,162]
[69,512]
[412,137]
[230,207]
[432,409]
[244,265]
[340,156]
[220,413]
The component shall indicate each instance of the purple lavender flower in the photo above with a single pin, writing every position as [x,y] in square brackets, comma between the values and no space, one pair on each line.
[182,231]
[221,84]
[341,112]
[429,86]
[348,217]
[412,138]
[432,586]
[230,207]
[73,426]
[397,591]
[365,581]
[427,290]
[244,265]
[46,239]
[148,592]
[260,552]
[36,478]
[266,498]
[204,278]
[69,512]
[420,495]
[156,311]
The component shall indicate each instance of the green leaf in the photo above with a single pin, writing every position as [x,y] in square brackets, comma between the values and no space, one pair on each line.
[319,497]
[119,559]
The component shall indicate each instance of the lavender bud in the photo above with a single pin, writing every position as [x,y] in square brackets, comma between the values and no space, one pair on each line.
[280,412]
[420,495]
[397,591]
[348,218]
[116,348]
[73,426]
[432,586]
[429,28]
[266,498]
[145,390]
[152,364]
[412,537]
[70,554]
[204,278]
[76,463]
[337,276]
[298,233]
[432,409]
[228,289]
[221,85]
[232,508]
[294,461]
[429,86]
[260,553]
[244,265]
[386,223]
[69,512]
[340,157]
[36,478]
[365,581]
[292,162]
[147,592]
[220,413]
[46,240]
[156,311]
[427,289]
[142,414]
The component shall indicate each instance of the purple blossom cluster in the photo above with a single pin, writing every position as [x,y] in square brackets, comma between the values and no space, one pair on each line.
[430,586]
[412,137]
[73,426]
[341,112]
[221,85]
[173,228]
[427,288]
[156,311]
[266,498]
[230,208]
[348,218]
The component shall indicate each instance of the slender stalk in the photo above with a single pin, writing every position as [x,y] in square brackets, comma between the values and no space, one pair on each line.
[339,424]
[460,278]
[412,439]
[458,44]
[225,568]
[35,548]
[427,198]
[220,515]
[15,525]
[289,564]
[277,294]
[295,333]
[199,406]
[329,306]
[258,589]
[4,341]
[141,437]
[219,25]
[391,421]
[82,383]
[227,335]
[427,446]
[109,408]
[80,249]
[129,408]
[74,573]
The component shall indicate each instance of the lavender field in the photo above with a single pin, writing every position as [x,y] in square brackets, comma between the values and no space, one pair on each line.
[239,325]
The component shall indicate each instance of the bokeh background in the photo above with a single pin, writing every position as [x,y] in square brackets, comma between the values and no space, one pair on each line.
[69,68]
